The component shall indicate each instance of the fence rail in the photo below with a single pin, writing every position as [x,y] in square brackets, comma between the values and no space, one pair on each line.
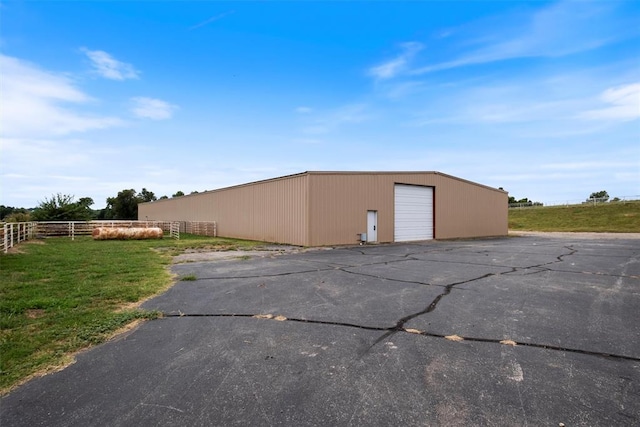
[16,232]
[13,233]
[591,201]
[201,228]
[85,228]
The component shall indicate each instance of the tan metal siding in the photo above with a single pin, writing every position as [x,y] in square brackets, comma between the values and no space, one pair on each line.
[271,211]
[464,210]
[330,208]
[339,202]
[338,206]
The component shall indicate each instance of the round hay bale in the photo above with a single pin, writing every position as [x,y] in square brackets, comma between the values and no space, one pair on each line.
[131,233]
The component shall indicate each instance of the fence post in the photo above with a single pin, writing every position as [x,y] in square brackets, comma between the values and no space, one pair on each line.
[6,239]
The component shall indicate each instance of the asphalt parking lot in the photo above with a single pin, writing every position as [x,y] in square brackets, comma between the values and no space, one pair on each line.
[518,331]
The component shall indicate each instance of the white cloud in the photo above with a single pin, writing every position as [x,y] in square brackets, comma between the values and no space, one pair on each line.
[37,102]
[36,168]
[560,29]
[501,103]
[397,65]
[624,104]
[151,108]
[109,67]
[568,181]
[402,89]
[304,110]
[41,113]
[534,106]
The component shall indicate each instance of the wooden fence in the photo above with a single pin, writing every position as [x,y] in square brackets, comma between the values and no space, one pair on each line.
[13,233]
[85,228]
[201,228]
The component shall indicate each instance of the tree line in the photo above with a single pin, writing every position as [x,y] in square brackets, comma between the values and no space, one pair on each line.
[64,207]
[523,202]
[596,196]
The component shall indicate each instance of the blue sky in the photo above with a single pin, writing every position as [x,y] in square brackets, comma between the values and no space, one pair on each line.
[540,98]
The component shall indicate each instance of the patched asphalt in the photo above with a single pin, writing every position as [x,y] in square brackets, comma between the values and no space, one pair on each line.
[510,331]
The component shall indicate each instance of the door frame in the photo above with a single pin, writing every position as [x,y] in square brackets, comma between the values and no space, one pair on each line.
[372,226]
[403,188]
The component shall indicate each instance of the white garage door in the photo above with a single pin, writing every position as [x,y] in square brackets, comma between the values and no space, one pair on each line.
[413,213]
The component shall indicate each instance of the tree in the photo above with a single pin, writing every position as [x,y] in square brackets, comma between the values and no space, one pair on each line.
[146,196]
[523,202]
[85,202]
[123,206]
[17,216]
[599,196]
[178,194]
[61,207]
[6,211]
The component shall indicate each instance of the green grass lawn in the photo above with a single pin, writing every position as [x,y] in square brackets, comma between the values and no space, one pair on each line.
[58,296]
[615,217]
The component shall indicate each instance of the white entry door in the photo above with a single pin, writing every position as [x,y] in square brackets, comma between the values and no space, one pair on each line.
[372,226]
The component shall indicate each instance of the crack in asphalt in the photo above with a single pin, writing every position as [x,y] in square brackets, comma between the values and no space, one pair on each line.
[400,324]
[397,328]
[448,288]
[257,276]
[405,257]
[431,307]
[391,279]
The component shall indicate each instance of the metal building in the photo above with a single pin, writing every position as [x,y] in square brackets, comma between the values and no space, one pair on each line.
[336,208]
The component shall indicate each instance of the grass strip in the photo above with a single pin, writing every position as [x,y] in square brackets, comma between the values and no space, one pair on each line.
[613,217]
[58,296]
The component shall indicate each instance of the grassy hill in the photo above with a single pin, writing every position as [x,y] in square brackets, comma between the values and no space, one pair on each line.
[616,217]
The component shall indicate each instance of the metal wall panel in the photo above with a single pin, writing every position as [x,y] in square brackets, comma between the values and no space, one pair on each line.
[330,208]
[338,205]
[271,211]
[339,201]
